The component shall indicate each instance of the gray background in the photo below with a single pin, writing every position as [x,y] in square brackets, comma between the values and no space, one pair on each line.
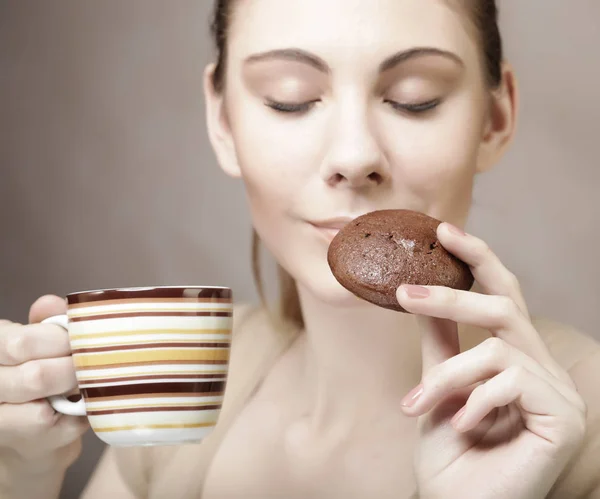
[107,178]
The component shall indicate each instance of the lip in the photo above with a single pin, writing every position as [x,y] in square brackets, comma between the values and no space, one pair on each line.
[329,228]
[332,223]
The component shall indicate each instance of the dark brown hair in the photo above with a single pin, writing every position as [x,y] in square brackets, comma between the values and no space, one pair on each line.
[484,18]
[483,13]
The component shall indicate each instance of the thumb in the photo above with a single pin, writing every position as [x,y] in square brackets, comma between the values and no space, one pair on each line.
[439,341]
[45,307]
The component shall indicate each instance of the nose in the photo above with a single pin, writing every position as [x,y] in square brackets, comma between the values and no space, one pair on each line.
[354,158]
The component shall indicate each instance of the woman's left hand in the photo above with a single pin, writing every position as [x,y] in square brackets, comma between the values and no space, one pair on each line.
[502,419]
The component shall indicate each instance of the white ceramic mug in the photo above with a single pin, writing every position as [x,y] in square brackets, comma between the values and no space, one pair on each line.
[151,363]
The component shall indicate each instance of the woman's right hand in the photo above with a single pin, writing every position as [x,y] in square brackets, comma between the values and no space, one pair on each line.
[35,363]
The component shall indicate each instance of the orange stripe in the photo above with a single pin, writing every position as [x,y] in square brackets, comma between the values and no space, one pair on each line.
[198,355]
[154,363]
[149,332]
[155,427]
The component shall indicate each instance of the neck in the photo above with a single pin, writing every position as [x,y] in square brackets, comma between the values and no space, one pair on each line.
[358,360]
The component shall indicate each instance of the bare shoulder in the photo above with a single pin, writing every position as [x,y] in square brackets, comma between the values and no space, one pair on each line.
[155,471]
[579,354]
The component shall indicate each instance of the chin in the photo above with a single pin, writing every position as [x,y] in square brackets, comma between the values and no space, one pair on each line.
[325,288]
[304,257]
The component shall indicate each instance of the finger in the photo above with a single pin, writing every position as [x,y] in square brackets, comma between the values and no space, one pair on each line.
[46,306]
[30,421]
[20,344]
[62,433]
[36,380]
[439,341]
[499,314]
[478,364]
[488,270]
[545,412]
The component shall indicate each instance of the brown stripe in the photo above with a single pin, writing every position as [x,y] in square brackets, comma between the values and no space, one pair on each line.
[143,313]
[146,388]
[156,292]
[149,378]
[155,395]
[155,344]
[154,409]
[153,363]
[134,301]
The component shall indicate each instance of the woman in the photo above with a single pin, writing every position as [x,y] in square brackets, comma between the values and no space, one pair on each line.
[328,109]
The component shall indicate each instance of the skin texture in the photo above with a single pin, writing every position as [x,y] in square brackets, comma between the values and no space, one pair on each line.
[332,417]
[348,151]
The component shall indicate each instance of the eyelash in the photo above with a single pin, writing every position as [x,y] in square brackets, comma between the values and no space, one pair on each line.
[420,108]
[285,108]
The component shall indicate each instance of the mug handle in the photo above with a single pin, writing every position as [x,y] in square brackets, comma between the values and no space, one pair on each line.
[60,403]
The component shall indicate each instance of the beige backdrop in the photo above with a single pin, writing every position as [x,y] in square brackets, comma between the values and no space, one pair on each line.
[107,178]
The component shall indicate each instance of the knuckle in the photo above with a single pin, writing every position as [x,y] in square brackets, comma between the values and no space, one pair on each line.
[434,376]
[16,348]
[496,349]
[479,393]
[449,296]
[515,376]
[34,379]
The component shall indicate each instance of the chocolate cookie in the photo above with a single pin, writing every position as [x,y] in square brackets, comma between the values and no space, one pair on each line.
[376,253]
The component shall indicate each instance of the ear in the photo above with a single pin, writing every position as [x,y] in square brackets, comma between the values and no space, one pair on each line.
[500,126]
[219,131]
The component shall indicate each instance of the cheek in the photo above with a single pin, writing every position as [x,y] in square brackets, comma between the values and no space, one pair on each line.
[438,155]
[276,155]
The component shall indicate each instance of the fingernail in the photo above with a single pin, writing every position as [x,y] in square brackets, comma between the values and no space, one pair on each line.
[411,398]
[455,230]
[459,415]
[418,292]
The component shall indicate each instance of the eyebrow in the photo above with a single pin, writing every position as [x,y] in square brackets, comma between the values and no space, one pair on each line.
[413,53]
[299,55]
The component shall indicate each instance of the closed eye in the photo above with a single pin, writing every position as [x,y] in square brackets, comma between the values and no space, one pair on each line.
[417,108]
[290,108]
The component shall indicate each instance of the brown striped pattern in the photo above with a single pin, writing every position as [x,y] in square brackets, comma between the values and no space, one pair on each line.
[141,313]
[151,363]
[200,294]
[149,388]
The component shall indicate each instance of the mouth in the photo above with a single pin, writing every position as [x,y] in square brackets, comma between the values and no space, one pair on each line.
[328,229]
[327,234]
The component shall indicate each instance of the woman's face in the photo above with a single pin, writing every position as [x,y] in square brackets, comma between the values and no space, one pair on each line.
[339,107]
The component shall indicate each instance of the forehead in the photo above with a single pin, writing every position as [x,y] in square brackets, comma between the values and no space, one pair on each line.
[350,29]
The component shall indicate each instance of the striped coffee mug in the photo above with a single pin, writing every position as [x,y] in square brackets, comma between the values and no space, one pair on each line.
[151,363]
